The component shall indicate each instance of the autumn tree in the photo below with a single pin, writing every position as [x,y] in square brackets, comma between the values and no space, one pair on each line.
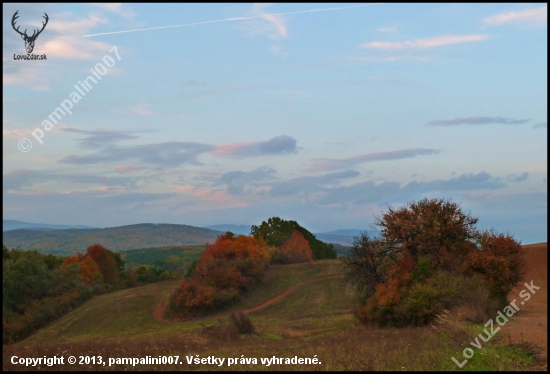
[431,228]
[106,261]
[295,249]
[499,260]
[430,257]
[368,263]
[89,270]
[276,231]
[226,268]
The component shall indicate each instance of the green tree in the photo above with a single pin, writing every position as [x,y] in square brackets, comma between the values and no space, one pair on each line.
[276,231]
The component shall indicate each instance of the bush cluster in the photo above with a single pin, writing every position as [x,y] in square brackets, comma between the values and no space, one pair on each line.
[431,257]
[230,267]
[38,288]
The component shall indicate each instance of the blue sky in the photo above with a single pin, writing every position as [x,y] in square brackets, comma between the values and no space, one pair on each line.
[324,114]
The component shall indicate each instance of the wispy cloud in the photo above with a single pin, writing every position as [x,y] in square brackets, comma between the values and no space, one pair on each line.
[271,15]
[477,121]
[167,154]
[117,8]
[531,17]
[542,125]
[278,145]
[22,178]
[325,164]
[426,43]
[275,25]
[387,29]
[127,168]
[142,110]
[517,177]
[77,25]
[239,182]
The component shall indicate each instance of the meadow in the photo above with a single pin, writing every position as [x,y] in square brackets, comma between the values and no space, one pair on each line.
[304,310]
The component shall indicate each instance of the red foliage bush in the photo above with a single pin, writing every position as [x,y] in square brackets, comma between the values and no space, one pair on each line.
[295,249]
[500,262]
[226,268]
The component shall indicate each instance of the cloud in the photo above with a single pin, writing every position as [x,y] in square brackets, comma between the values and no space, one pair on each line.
[324,164]
[239,182]
[531,17]
[168,154]
[542,125]
[23,178]
[408,57]
[370,193]
[477,121]
[309,185]
[76,26]
[115,8]
[142,110]
[426,43]
[275,25]
[279,145]
[97,139]
[127,168]
[517,177]
[387,29]
[71,47]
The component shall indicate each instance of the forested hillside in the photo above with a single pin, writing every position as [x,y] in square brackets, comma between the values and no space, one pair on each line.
[115,238]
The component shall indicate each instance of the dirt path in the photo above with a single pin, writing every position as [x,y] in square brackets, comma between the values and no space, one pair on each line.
[530,325]
[159,311]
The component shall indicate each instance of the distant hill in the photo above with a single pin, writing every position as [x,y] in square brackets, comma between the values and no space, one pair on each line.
[144,235]
[10,224]
[236,229]
[347,232]
[342,237]
[72,239]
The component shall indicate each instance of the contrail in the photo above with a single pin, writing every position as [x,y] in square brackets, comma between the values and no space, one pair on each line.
[230,19]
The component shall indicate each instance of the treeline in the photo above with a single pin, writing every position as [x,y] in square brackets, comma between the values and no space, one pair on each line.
[431,257]
[38,288]
[175,259]
[231,266]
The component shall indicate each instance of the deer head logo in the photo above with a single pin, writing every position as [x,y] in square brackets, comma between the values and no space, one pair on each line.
[29,40]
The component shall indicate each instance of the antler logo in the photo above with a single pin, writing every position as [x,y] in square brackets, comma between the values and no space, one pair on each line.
[29,40]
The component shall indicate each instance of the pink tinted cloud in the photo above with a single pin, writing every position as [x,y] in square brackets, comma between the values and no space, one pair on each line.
[279,145]
[232,149]
[532,17]
[426,43]
[127,168]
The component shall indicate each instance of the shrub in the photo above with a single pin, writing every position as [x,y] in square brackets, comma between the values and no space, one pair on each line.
[226,269]
[242,323]
[431,258]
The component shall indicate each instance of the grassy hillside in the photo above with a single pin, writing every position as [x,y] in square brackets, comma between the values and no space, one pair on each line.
[302,310]
[130,313]
[114,238]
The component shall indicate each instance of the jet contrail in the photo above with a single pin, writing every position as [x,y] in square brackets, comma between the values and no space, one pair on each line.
[230,19]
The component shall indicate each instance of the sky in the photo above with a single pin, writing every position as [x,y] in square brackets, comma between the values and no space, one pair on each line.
[326,114]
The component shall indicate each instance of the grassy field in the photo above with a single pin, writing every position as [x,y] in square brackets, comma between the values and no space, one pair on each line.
[313,318]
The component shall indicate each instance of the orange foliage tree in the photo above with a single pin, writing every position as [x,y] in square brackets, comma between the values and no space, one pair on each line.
[295,249]
[89,271]
[499,260]
[429,256]
[106,262]
[226,268]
